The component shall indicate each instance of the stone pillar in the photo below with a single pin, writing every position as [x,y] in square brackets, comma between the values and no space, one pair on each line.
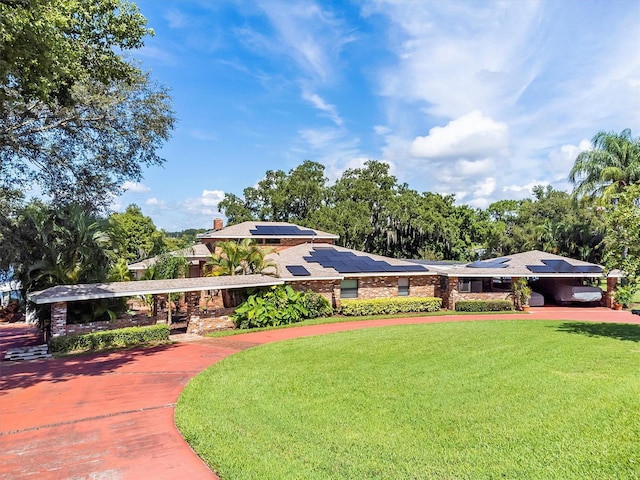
[452,290]
[192,300]
[336,295]
[612,287]
[59,319]
[159,303]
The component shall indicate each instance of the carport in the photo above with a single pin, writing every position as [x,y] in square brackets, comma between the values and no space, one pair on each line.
[58,296]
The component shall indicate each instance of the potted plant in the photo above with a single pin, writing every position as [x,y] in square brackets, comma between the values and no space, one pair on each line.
[622,297]
[521,293]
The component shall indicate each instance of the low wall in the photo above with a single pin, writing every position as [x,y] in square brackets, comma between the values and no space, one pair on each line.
[202,325]
[137,321]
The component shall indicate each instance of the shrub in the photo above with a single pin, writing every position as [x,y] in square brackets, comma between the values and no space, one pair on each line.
[484,305]
[316,305]
[389,306]
[279,305]
[122,337]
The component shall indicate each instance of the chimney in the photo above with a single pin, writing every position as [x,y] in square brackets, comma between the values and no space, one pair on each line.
[217,224]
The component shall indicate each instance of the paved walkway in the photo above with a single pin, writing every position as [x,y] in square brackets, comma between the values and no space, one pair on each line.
[110,416]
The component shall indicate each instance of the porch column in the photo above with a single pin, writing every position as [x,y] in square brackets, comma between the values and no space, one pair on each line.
[159,300]
[612,287]
[335,296]
[452,292]
[59,319]
[192,300]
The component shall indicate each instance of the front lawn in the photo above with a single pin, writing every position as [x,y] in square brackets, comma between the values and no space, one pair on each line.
[469,400]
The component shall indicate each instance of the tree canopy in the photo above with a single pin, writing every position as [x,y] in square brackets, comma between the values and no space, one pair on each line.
[612,164]
[77,118]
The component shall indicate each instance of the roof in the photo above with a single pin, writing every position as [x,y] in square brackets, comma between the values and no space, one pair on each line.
[267,230]
[89,291]
[542,264]
[196,252]
[324,262]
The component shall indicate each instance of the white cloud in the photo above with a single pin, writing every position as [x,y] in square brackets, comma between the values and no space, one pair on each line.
[205,207]
[155,202]
[562,159]
[135,187]
[472,135]
[175,18]
[305,32]
[329,110]
[466,168]
[526,188]
[485,187]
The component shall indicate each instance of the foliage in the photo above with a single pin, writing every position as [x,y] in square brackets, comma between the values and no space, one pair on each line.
[120,271]
[484,305]
[77,118]
[316,305]
[434,401]
[119,338]
[612,165]
[622,248]
[624,294]
[279,305]
[135,235]
[389,306]
[521,293]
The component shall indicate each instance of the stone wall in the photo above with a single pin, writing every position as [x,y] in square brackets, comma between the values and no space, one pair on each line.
[387,287]
[201,325]
[137,321]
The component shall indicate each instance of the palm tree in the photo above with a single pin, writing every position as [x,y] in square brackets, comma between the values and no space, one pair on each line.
[612,165]
[239,258]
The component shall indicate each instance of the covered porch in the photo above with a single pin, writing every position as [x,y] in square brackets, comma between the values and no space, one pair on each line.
[60,295]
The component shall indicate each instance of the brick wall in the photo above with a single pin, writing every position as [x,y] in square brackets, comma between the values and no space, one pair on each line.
[58,319]
[452,295]
[329,289]
[387,287]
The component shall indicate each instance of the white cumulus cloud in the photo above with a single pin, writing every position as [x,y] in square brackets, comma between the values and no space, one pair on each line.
[470,136]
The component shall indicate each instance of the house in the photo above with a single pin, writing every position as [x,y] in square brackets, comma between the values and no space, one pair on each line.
[308,259]
[553,278]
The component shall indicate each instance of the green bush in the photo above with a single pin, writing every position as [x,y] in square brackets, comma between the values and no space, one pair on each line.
[390,306]
[316,305]
[279,305]
[122,337]
[484,305]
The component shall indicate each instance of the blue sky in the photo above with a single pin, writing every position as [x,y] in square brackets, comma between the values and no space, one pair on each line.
[480,99]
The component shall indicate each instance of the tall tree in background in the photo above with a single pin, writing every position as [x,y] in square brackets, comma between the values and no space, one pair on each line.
[135,235]
[612,165]
[77,118]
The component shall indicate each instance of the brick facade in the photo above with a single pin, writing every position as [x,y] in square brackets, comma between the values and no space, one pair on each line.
[58,319]
[451,295]
[329,289]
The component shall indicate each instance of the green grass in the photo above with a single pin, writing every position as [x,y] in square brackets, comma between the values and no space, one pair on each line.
[469,400]
[341,319]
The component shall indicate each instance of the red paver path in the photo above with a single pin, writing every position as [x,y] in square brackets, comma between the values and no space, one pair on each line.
[110,416]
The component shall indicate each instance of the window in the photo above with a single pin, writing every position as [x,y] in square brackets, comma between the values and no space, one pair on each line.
[470,285]
[403,287]
[349,289]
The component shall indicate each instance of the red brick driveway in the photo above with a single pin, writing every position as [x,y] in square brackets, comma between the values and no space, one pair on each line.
[110,416]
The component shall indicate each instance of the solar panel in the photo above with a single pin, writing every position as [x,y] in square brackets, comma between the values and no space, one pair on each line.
[298,271]
[280,230]
[589,269]
[493,263]
[540,269]
[560,266]
[349,262]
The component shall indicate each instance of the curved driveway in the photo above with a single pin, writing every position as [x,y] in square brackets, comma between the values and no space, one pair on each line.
[110,416]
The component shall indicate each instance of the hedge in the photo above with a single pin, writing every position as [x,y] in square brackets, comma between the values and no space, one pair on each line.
[484,305]
[389,306]
[121,337]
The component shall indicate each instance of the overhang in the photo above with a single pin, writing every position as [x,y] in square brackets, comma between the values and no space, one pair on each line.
[92,291]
